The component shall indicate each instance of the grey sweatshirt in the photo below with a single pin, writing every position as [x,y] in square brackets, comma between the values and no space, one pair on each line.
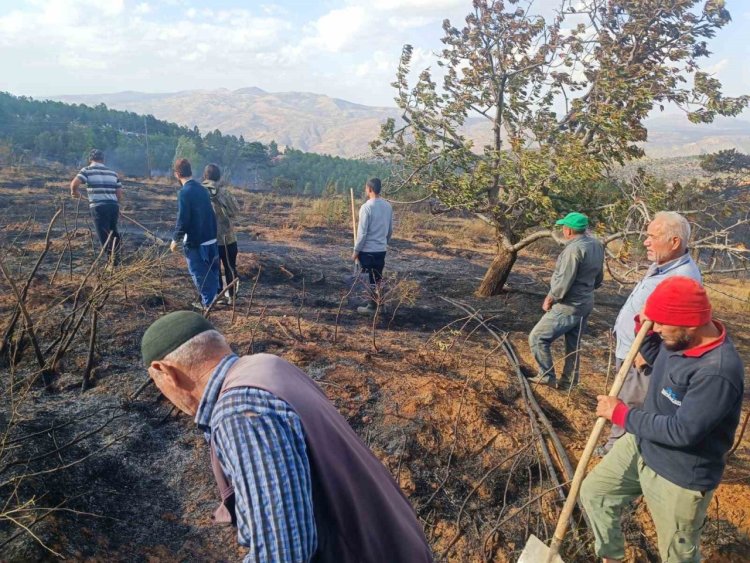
[578,272]
[375,226]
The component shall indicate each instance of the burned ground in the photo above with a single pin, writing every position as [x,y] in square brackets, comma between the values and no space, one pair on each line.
[94,475]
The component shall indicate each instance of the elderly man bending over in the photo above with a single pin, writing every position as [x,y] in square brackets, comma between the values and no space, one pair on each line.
[674,453]
[294,477]
[666,246]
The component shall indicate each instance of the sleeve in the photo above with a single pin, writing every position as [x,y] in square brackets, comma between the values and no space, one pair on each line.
[183,217]
[390,229]
[364,223]
[600,275]
[118,183]
[270,473]
[82,176]
[707,401]
[651,345]
[564,274]
[232,207]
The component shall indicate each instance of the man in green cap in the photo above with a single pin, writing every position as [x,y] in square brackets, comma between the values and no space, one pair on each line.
[570,300]
[293,477]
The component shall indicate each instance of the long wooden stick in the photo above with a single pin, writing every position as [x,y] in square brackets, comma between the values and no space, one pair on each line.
[153,236]
[354,217]
[575,486]
[354,227]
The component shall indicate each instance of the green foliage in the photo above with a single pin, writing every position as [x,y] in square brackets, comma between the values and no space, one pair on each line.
[729,160]
[65,133]
[283,185]
[321,170]
[618,60]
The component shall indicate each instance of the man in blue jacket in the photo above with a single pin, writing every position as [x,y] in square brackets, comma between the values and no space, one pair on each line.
[675,449]
[196,229]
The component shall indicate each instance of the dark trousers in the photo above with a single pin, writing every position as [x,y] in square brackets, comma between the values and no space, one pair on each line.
[228,255]
[203,265]
[372,263]
[105,218]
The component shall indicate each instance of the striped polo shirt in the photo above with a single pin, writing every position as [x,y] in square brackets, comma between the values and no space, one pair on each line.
[101,184]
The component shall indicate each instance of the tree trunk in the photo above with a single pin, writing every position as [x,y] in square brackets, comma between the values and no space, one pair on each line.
[497,274]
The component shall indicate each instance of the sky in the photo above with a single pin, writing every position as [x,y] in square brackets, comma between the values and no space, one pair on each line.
[346,49]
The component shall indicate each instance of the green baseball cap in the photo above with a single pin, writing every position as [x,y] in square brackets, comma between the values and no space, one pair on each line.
[576,221]
[170,332]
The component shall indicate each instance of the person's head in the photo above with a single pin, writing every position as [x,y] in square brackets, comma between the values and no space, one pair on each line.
[182,169]
[667,237]
[181,350]
[573,224]
[372,187]
[96,155]
[212,172]
[680,310]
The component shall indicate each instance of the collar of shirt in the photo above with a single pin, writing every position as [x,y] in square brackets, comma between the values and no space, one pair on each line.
[656,269]
[212,392]
[698,351]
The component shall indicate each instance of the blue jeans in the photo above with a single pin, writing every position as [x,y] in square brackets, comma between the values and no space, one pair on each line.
[550,327]
[203,265]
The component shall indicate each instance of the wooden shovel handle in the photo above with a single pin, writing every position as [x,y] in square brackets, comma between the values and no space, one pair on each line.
[354,216]
[575,485]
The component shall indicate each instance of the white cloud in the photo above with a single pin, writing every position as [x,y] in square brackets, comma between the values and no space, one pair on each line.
[338,29]
[143,8]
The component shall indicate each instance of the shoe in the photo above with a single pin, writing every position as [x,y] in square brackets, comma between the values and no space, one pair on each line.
[228,300]
[197,305]
[543,379]
[366,310]
[564,384]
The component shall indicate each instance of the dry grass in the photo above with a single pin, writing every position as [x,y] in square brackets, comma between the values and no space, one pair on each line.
[327,212]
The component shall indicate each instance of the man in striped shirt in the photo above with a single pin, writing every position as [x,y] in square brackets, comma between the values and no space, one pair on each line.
[104,191]
[294,477]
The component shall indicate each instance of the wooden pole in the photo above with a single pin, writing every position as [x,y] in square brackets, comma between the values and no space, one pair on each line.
[575,486]
[354,227]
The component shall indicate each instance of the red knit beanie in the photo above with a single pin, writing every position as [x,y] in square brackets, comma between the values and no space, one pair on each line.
[679,301]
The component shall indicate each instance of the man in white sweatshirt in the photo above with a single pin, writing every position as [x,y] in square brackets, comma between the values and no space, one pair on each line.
[373,235]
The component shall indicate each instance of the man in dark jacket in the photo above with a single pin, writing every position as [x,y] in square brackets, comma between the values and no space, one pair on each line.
[196,229]
[294,477]
[674,452]
[578,272]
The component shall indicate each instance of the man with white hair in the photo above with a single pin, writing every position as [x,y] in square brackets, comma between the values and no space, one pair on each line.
[293,476]
[666,243]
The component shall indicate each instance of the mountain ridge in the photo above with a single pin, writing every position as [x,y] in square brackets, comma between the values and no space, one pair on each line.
[327,125]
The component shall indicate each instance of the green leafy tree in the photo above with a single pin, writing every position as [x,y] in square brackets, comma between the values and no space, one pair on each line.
[187,147]
[562,106]
[730,161]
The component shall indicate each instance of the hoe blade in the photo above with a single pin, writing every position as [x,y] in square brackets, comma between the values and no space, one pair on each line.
[535,551]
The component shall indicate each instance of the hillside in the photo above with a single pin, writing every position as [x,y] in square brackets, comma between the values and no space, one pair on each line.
[61,132]
[94,471]
[321,124]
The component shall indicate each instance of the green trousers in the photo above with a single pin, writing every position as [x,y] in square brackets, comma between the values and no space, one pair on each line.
[679,514]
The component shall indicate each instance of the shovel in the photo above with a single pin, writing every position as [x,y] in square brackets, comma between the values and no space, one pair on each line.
[535,551]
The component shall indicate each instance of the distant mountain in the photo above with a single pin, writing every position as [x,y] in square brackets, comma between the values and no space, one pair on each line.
[321,124]
[308,122]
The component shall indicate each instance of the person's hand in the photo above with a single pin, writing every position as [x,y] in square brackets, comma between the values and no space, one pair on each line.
[75,193]
[606,406]
[639,361]
[355,256]
[547,305]
[173,246]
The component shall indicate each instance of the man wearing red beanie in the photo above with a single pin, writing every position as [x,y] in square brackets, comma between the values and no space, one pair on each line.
[674,451]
